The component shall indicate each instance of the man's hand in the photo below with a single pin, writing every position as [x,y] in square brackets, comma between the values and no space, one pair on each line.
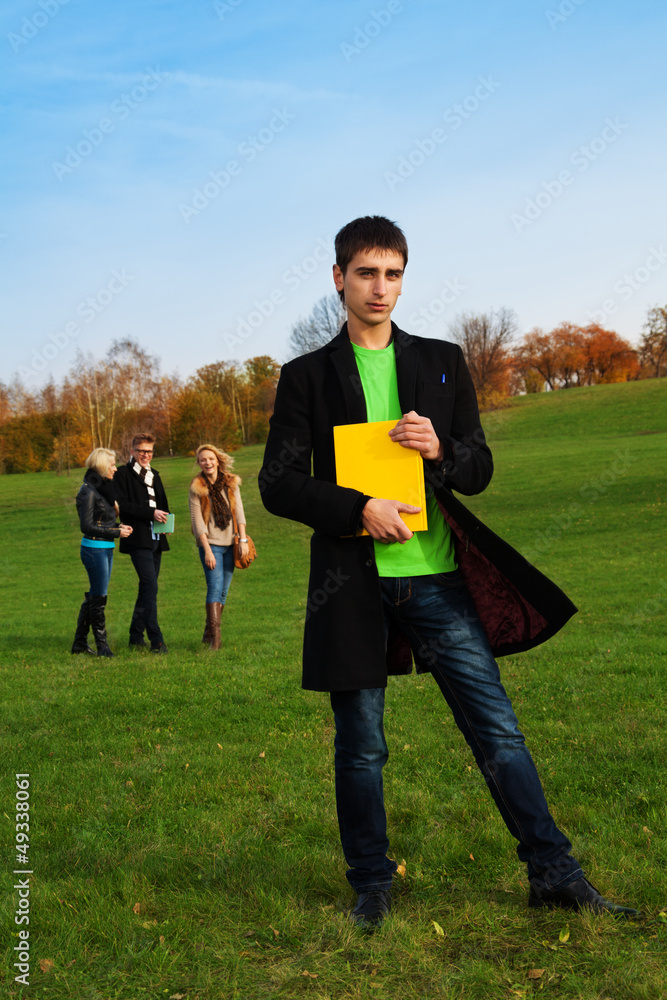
[382,520]
[160,515]
[125,530]
[413,431]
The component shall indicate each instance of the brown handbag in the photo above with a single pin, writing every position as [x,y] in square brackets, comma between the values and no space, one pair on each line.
[241,562]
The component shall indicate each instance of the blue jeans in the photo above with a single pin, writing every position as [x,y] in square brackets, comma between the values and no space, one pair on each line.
[438,616]
[218,579]
[98,563]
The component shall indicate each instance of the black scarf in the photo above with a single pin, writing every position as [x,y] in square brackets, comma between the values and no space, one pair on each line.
[105,486]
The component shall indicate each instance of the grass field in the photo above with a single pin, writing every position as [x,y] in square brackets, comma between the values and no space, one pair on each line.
[183,835]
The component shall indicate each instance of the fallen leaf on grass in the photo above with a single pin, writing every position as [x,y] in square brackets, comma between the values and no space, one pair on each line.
[136,908]
[438,929]
[471,858]
[564,935]
[263,753]
[401,869]
[46,964]
[177,996]
[220,745]
[536,973]
[310,975]
[551,947]
[277,933]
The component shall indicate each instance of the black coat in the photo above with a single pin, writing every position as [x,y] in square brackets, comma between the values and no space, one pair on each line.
[135,509]
[97,514]
[344,643]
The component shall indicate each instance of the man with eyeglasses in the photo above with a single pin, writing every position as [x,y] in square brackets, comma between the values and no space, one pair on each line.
[142,500]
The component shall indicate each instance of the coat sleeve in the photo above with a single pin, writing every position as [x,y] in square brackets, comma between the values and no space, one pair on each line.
[286,483]
[467,466]
[85,503]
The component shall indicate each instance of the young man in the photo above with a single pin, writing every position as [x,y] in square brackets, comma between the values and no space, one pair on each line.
[452,595]
[142,500]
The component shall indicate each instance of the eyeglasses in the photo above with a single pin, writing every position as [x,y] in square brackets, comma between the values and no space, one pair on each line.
[142,451]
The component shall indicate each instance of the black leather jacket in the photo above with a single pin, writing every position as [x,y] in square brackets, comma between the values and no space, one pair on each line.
[97,516]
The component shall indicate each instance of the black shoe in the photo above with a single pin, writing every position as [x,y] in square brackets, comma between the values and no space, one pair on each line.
[371,909]
[138,644]
[160,647]
[82,647]
[577,895]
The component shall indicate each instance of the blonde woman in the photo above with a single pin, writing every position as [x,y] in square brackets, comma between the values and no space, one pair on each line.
[95,504]
[211,494]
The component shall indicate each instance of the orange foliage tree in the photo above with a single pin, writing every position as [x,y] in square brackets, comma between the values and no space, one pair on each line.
[570,356]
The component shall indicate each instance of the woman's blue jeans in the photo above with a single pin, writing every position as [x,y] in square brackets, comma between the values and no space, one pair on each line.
[98,563]
[439,617]
[218,579]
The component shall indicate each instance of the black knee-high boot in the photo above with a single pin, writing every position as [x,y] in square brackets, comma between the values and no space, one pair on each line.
[80,644]
[98,623]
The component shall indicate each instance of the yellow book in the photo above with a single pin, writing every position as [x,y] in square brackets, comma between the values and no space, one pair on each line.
[368,460]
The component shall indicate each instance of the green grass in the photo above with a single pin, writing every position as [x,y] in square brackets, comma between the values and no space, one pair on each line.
[183,836]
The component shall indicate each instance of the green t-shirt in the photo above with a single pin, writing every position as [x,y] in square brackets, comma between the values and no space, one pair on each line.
[427,552]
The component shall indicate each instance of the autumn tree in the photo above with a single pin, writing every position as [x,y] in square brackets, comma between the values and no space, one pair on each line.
[319,327]
[261,376]
[200,417]
[653,344]
[485,339]
[570,356]
[609,358]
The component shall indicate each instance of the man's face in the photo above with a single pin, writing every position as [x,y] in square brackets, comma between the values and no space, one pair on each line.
[372,284]
[143,454]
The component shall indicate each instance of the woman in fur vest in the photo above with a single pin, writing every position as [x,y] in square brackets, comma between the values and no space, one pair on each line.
[211,494]
[97,510]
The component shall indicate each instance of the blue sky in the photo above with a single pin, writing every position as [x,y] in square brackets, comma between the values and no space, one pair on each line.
[175,172]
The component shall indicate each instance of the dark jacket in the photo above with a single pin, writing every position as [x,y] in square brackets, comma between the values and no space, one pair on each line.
[344,642]
[97,514]
[135,509]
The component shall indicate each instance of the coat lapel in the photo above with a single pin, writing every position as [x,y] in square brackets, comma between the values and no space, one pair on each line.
[345,365]
[407,359]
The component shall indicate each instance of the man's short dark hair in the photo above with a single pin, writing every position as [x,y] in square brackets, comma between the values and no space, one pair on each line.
[141,438]
[369,233]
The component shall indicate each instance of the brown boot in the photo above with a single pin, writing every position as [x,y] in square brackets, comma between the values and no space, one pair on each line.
[213,612]
[206,638]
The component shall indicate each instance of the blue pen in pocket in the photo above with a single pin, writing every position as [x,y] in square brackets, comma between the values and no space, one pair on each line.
[443,378]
